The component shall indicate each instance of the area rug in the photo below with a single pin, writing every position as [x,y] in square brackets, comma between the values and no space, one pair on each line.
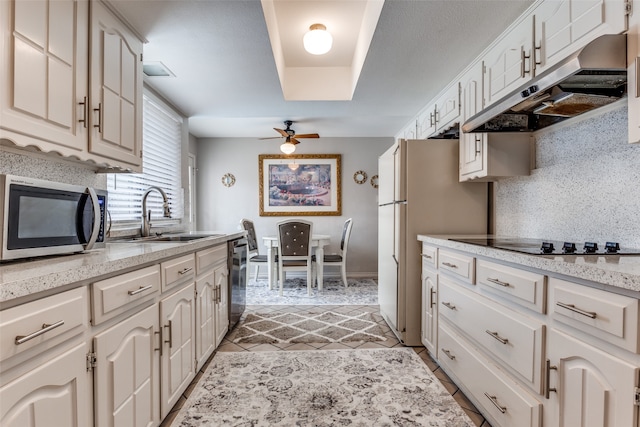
[359,292]
[307,327]
[355,388]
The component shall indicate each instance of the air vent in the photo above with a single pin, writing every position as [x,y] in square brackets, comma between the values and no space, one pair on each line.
[156,69]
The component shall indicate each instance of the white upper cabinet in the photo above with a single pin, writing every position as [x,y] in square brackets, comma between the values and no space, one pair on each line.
[116,88]
[441,115]
[633,61]
[44,76]
[48,67]
[471,144]
[508,64]
[564,26]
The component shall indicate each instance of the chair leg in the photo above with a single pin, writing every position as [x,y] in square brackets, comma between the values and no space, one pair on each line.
[280,279]
[309,279]
[256,275]
[344,274]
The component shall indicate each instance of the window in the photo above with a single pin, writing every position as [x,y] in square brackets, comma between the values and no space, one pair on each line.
[161,167]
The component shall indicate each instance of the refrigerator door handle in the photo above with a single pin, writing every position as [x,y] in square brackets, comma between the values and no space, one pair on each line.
[395,259]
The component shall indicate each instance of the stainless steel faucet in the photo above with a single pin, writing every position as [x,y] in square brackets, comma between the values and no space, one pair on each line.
[146,215]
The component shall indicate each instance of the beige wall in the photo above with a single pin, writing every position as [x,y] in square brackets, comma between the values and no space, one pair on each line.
[222,208]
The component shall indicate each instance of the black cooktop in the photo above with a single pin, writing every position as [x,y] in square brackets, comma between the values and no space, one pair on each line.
[549,247]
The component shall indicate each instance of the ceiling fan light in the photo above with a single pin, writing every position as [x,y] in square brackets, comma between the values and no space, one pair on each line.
[287,148]
[317,41]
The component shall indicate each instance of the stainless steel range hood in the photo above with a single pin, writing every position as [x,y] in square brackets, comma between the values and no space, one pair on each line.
[590,78]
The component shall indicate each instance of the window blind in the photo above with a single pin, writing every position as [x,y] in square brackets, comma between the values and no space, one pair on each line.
[161,167]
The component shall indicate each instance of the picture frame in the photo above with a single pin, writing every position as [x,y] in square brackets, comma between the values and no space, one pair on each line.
[300,184]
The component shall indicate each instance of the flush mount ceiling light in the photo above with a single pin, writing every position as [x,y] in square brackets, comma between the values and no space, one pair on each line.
[288,147]
[317,41]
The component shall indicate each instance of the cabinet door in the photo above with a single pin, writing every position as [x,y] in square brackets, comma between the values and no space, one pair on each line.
[177,314]
[564,26]
[508,63]
[633,61]
[430,310]
[588,387]
[44,72]
[116,88]
[426,125]
[205,317]
[448,108]
[126,378]
[54,394]
[472,145]
[221,278]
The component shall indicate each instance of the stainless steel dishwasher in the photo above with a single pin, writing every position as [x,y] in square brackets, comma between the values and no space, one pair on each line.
[237,260]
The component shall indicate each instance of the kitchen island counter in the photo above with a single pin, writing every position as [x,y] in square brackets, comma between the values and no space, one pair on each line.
[26,280]
[619,273]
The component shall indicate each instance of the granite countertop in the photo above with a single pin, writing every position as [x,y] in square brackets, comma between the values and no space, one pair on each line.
[612,270]
[21,281]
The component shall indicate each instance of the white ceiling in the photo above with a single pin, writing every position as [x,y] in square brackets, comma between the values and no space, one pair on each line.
[226,76]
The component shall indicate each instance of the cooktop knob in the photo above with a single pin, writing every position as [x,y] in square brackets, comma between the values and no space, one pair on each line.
[590,248]
[569,248]
[547,248]
[611,247]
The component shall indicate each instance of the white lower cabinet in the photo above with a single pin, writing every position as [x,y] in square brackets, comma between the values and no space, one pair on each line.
[221,280]
[177,318]
[205,318]
[429,312]
[504,402]
[126,372]
[55,393]
[589,387]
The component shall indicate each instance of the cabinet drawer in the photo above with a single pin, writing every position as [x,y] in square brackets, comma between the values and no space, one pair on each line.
[521,287]
[462,266]
[118,294]
[429,256]
[177,271]
[514,339]
[501,398]
[608,316]
[210,257]
[49,320]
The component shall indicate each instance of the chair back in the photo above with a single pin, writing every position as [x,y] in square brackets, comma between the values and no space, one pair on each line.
[294,238]
[346,233]
[252,240]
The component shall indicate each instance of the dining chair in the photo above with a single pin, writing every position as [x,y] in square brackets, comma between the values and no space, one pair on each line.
[253,257]
[294,250]
[340,260]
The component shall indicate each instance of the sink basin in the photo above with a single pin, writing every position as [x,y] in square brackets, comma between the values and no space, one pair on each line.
[166,238]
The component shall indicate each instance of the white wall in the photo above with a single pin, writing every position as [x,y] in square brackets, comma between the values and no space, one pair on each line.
[221,208]
[585,187]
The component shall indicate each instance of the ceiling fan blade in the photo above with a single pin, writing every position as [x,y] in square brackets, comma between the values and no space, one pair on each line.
[308,135]
[281,132]
[272,137]
[294,141]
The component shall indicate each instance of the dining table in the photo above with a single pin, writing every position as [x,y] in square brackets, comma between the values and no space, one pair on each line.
[318,242]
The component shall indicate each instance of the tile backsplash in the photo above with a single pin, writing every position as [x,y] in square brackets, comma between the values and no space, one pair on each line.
[585,187]
[38,166]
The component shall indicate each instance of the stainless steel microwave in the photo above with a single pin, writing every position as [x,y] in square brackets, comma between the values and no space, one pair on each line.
[47,218]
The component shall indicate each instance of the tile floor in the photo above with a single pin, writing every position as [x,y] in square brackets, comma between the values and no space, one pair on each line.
[392,341]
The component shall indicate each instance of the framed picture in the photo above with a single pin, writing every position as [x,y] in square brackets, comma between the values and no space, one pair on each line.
[303,184]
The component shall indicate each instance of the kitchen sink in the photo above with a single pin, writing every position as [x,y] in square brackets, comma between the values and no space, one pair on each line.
[165,238]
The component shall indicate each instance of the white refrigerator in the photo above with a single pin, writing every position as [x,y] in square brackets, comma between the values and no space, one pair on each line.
[419,193]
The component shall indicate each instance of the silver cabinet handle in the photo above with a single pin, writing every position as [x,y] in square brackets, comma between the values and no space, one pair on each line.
[99,111]
[432,300]
[547,386]
[85,107]
[185,270]
[498,337]
[448,264]
[449,305]
[20,339]
[448,353]
[142,289]
[170,341]
[427,256]
[494,400]
[589,314]
[498,282]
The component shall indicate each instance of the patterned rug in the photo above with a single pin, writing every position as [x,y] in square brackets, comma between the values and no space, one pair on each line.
[359,292]
[355,388]
[307,327]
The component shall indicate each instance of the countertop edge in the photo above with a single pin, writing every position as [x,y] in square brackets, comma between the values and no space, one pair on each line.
[609,273]
[20,282]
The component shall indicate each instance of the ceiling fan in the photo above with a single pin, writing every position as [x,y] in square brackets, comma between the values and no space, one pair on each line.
[291,138]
